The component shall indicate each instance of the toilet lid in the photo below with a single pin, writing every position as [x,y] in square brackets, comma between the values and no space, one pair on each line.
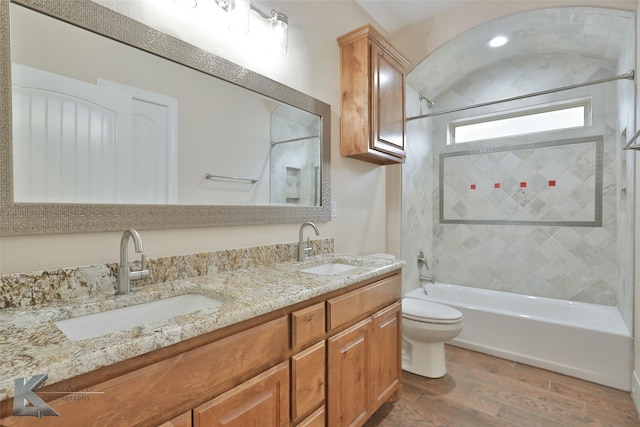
[427,311]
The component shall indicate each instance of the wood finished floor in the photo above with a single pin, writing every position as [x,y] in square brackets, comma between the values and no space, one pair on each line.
[480,390]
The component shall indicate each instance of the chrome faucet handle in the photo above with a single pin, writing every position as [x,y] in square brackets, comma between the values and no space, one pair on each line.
[307,248]
[144,270]
[143,273]
[422,260]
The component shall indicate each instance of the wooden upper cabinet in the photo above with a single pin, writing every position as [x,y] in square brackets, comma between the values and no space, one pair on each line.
[372,124]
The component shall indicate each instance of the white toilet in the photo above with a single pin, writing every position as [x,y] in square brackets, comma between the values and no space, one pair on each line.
[426,326]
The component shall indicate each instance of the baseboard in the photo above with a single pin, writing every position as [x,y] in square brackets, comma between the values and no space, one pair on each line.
[635,390]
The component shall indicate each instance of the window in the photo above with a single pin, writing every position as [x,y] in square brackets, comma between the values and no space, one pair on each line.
[532,120]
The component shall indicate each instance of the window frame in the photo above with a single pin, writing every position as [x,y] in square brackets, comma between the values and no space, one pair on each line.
[585,102]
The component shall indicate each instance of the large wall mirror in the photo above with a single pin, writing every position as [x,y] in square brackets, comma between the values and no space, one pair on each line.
[108,124]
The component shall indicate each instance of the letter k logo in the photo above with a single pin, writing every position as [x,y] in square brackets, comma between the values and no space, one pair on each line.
[24,395]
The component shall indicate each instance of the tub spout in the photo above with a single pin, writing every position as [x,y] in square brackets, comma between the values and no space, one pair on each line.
[427,279]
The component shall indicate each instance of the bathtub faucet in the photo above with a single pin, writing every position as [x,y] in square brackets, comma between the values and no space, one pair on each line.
[422,262]
[427,279]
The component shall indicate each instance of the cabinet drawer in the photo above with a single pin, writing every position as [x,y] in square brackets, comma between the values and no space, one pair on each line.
[363,301]
[260,401]
[307,380]
[307,325]
[183,420]
[317,419]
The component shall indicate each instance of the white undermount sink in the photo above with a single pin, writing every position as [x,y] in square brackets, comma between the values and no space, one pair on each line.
[119,319]
[329,268]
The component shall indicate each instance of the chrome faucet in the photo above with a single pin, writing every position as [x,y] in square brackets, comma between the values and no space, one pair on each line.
[304,249]
[125,275]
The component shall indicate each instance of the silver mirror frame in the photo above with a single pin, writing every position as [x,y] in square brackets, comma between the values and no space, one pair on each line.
[22,219]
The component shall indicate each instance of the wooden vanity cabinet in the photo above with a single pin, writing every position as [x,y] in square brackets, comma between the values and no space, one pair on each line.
[329,363]
[372,122]
[151,394]
[364,360]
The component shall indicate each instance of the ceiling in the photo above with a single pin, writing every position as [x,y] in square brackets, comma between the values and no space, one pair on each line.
[597,33]
[393,15]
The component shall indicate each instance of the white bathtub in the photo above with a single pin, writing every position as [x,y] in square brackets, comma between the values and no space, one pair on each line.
[583,340]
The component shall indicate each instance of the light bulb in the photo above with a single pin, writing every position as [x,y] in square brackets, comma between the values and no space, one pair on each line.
[498,41]
[279,33]
[239,13]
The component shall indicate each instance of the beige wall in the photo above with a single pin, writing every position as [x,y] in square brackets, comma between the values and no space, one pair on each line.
[635,381]
[311,66]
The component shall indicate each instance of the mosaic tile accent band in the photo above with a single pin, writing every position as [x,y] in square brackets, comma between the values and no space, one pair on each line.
[548,183]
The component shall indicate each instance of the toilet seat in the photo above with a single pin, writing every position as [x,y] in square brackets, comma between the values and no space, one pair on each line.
[429,312]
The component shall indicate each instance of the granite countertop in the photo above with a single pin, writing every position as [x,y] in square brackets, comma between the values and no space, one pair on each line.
[32,344]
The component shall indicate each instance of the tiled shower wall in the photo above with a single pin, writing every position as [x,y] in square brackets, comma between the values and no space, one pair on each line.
[295,165]
[568,262]
[626,188]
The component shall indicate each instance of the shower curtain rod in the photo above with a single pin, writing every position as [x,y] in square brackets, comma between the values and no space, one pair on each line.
[629,75]
[302,138]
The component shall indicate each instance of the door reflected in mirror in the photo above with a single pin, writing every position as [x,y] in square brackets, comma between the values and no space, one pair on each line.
[143,130]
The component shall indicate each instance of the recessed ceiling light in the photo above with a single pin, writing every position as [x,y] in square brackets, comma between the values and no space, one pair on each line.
[186,3]
[498,41]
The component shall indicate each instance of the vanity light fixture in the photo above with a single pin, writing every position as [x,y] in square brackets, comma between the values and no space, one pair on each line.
[186,3]
[498,41]
[238,14]
[277,21]
[279,32]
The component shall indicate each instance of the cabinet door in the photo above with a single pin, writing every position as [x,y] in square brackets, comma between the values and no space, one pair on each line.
[387,103]
[262,401]
[349,376]
[387,341]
